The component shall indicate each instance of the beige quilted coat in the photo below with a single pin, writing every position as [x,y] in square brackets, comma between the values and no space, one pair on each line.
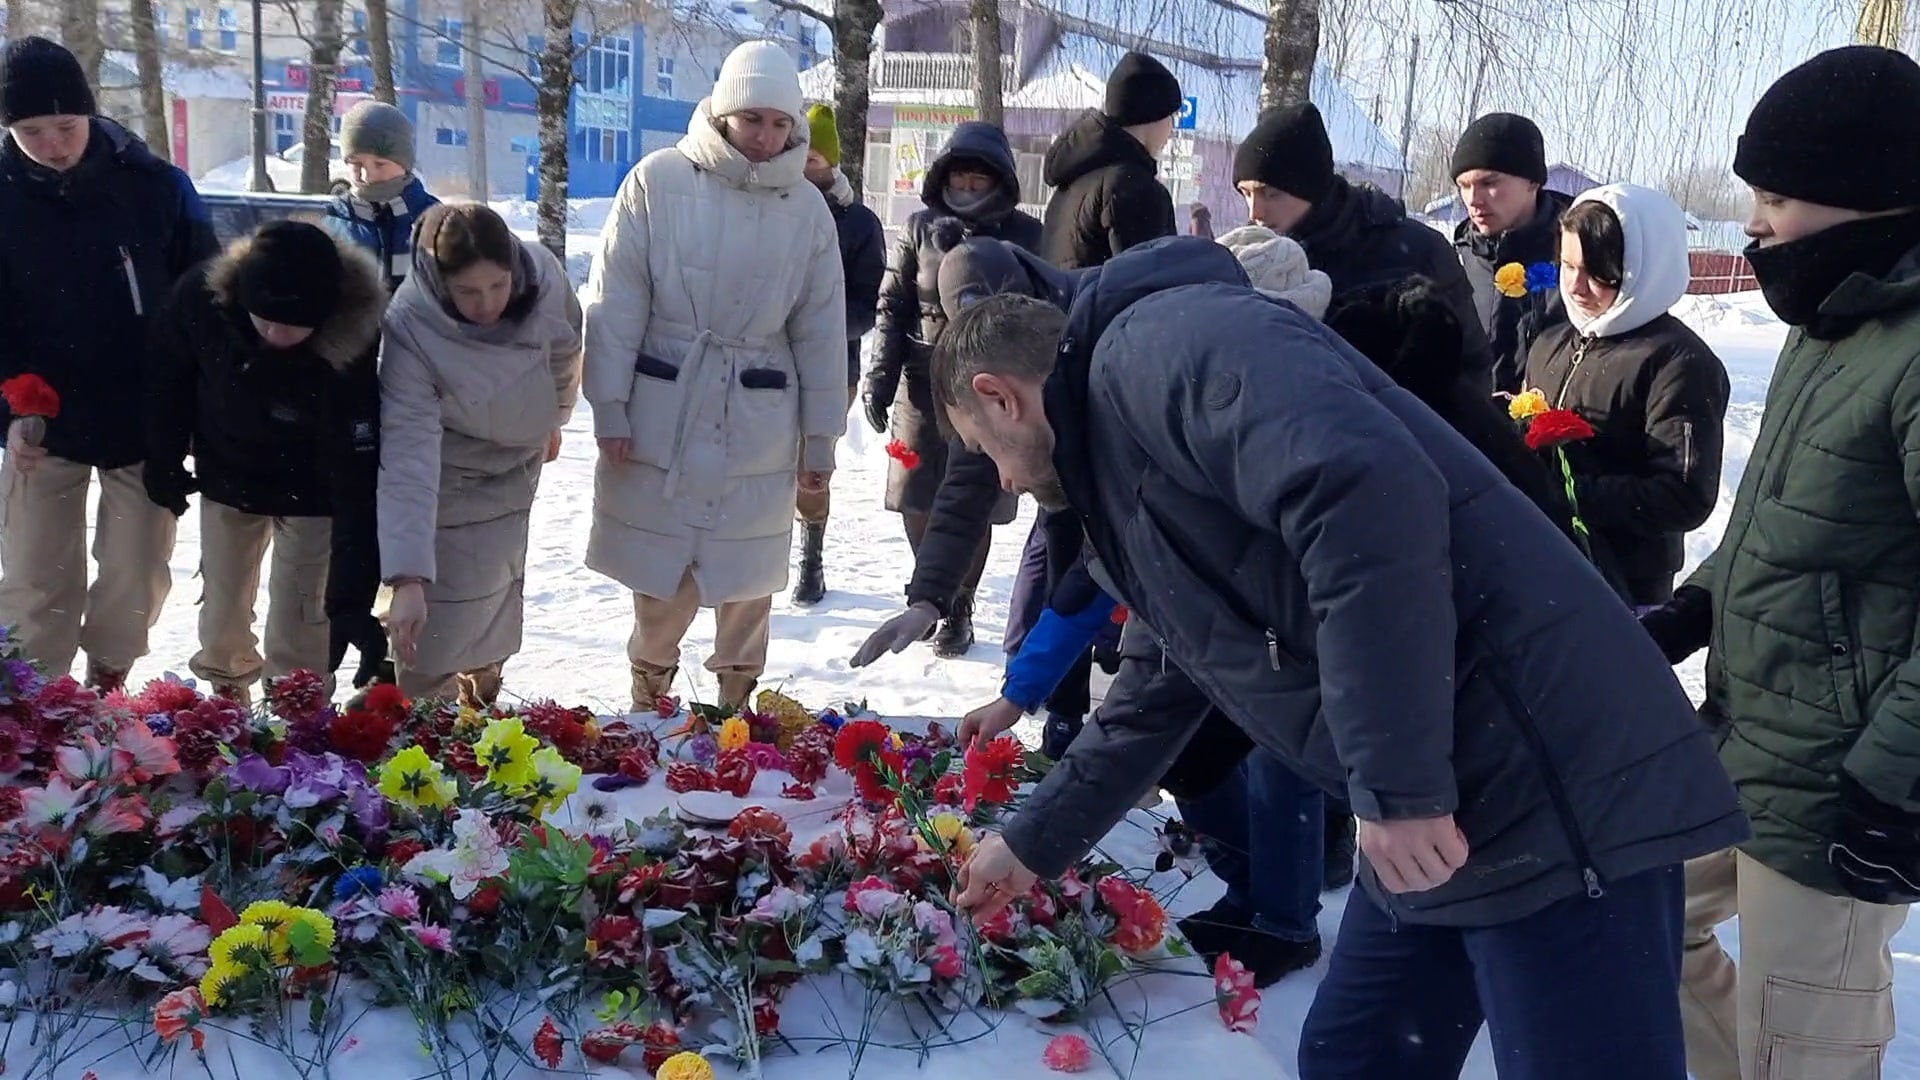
[716,341]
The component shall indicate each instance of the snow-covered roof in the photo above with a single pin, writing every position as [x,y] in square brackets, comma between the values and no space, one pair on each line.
[1211,28]
[226,82]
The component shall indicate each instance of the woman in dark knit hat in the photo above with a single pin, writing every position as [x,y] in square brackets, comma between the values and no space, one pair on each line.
[263,366]
[1810,603]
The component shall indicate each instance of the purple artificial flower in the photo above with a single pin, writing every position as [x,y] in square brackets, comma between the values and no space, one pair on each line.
[313,779]
[916,752]
[254,773]
[160,724]
[615,782]
[23,678]
[704,748]
[311,733]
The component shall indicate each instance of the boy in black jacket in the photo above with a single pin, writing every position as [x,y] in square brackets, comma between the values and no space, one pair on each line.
[263,366]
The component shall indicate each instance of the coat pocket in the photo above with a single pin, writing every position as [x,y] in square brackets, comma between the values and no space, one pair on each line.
[1820,1033]
[763,379]
[654,409]
[655,368]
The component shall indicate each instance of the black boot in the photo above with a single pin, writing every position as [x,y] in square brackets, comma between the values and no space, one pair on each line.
[1270,959]
[1339,852]
[1058,734]
[1215,930]
[956,633]
[810,585]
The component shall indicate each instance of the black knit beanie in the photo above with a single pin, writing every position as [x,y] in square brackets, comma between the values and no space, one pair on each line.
[290,275]
[1841,130]
[1504,143]
[1141,90]
[41,78]
[1289,150]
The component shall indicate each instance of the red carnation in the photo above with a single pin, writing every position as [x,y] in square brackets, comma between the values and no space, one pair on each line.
[660,1043]
[907,456]
[989,772]
[363,734]
[1556,427]
[734,774]
[685,776]
[30,395]
[399,852]
[758,821]
[858,741]
[548,1043]
[634,764]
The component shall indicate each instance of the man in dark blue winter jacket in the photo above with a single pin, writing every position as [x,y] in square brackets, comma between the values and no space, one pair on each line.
[94,231]
[1339,573]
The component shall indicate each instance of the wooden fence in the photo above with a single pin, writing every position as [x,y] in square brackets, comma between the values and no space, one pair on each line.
[1718,272]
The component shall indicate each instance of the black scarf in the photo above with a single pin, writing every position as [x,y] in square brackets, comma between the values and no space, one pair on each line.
[1798,277]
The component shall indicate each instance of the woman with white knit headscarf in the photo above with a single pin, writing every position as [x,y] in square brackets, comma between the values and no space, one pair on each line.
[1278,267]
[716,368]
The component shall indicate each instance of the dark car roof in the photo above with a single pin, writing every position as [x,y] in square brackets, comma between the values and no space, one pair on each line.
[237,213]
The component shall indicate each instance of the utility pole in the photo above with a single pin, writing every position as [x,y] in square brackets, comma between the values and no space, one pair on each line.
[476,105]
[260,181]
[1406,117]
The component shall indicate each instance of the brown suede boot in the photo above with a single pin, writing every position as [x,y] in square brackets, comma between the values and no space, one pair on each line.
[239,693]
[479,688]
[104,680]
[736,691]
[650,684]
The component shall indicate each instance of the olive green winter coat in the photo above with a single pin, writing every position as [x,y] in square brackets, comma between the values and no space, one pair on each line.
[1816,583]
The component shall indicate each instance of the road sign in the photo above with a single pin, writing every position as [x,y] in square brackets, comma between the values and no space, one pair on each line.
[1189,114]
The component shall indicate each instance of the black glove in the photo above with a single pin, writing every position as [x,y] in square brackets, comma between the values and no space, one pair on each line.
[363,632]
[168,487]
[876,398]
[1877,854]
[1683,625]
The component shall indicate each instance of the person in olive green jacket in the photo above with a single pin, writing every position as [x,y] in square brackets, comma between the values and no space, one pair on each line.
[1812,601]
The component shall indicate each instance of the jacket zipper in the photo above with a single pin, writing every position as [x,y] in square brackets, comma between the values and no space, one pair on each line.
[1686,451]
[1579,354]
[1555,792]
[1790,427]
[133,280]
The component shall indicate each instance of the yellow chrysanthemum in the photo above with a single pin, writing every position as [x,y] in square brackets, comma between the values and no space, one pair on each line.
[469,720]
[416,780]
[217,984]
[272,914]
[319,922]
[735,734]
[1527,404]
[1511,280]
[953,833]
[229,948]
[552,779]
[506,751]
[793,716]
[685,1065]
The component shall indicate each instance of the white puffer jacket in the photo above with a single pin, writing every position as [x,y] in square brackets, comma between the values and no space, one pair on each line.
[716,341]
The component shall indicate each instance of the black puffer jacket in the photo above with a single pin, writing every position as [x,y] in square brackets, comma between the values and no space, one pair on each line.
[863,255]
[1360,237]
[86,258]
[291,433]
[1513,322]
[1106,195]
[910,316]
[1373,604]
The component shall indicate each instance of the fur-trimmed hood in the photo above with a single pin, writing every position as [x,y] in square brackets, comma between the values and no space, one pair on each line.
[346,336]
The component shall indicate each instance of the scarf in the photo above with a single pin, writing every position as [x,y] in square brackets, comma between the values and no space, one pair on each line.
[1798,277]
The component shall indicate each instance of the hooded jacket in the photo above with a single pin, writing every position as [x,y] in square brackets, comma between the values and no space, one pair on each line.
[1106,198]
[86,258]
[385,228]
[911,317]
[1374,605]
[863,255]
[1513,322]
[1655,394]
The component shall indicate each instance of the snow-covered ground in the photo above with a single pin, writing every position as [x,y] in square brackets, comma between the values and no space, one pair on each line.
[577,623]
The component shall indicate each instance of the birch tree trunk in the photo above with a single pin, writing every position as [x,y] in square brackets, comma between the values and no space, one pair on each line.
[153,92]
[323,71]
[476,79]
[380,44]
[854,22]
[555,96]
[80,32]
[989,96]
[1292,43]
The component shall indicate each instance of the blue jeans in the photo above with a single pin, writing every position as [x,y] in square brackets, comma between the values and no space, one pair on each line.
[1262,832]
[1586,989]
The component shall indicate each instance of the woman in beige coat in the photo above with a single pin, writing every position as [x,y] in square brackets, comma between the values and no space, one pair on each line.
[479,371]
[717,372]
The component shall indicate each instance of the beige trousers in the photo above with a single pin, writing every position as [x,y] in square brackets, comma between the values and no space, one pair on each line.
[813,509]
[478,688]
[44,594]
[739,641]
[233,547]
[1812,998]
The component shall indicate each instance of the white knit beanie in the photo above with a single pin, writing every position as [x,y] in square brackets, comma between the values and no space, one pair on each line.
[759,75]
[1278,267]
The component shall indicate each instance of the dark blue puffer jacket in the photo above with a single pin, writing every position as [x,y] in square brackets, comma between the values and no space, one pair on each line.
[87,257]
[383,228]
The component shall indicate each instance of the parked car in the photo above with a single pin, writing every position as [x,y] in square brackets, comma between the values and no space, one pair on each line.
[283,169]
[237,213]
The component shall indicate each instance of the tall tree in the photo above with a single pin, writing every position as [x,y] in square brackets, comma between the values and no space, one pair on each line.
[80,30]
[989,96]
[153,93]
[554,96]
[476,80]
[380,44]
[1292,44]
[323,76]
[852,25]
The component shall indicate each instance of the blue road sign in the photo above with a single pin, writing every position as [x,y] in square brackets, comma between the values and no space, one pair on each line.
[1189,114]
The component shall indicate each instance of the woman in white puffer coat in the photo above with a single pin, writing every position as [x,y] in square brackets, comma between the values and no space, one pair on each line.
[716,368]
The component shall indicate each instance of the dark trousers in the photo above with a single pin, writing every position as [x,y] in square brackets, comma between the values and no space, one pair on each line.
[1261,832]
[916,525]
[1587,989]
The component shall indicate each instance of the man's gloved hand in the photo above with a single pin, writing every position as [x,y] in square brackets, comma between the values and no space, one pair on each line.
[1877,854]
[894,635]
[1683,625]
[168,487]
[876,400]
[363,632]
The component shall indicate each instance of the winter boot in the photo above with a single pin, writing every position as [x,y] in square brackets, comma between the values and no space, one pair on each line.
[650,684]
[104,680]
[736,690]
[1339,851]
[1058,734]
[1270,958]
[479,689]
[1216,930]
[239,693]
[810,585]
[955,635]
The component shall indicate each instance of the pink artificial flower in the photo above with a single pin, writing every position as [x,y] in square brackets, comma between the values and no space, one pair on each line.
[121,814]
[149,756]
[400,901]
[1234,991]
[84,759]
[437,938]
[929,919]
[54,804]
[1068,1053]
[1071,887]
[871,897]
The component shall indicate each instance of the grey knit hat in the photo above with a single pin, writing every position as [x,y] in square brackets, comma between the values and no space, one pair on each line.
[377,128]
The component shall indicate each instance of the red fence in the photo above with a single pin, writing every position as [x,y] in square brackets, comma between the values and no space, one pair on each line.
[1717,272]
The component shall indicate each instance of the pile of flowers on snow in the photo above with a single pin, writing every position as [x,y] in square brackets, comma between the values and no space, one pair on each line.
[270,874]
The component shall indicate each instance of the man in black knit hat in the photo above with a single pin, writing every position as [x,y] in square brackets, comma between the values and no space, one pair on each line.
[1103,169]
[1808,607]
[1512,227]
[94,230]
[1357,235]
